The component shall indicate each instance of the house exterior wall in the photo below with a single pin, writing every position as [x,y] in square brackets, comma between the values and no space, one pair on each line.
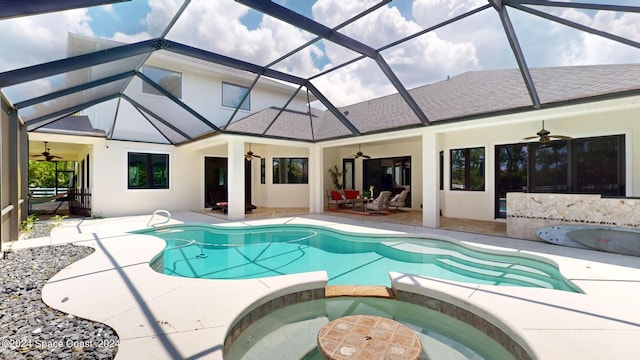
[278,195]
[594,119]
[112,198]
[110,195]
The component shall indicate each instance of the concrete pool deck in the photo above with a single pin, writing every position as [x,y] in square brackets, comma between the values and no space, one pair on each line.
[164,317]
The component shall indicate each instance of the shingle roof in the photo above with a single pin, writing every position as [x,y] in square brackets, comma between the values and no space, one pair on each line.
[468,95]
[275,122]
[478,93]
[73,125]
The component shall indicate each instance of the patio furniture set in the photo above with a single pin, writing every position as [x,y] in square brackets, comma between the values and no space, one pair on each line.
[341,198]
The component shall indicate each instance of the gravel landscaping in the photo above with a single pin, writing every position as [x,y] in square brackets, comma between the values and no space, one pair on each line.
[29,329]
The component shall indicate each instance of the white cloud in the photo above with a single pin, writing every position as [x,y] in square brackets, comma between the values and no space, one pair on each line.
[589,49]
[216,26]
[417,62]
[32,40]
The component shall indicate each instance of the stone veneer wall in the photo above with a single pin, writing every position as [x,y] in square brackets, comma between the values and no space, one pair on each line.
[526,212]
[451,310]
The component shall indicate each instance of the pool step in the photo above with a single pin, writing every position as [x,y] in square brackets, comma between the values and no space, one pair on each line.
[478,257]
[353,290]
[516,269]
[492,274]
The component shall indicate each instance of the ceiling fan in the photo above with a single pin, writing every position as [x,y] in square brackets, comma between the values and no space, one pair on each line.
[544,136]
[47,155]
[360,154]
[249,155]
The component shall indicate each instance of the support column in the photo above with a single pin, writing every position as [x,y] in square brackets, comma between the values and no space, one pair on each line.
[430,180]
[316,180]
[235,179]
[24,172]
[13,174]
[4,123]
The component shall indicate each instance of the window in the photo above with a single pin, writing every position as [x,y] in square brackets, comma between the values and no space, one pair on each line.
[550,167]
[232,95]
[263,171]
[290,171]
[441,164]
[599,165]
[467,169]
[584,166]
[148,171]
[168,80]
[348,174]
[511,174]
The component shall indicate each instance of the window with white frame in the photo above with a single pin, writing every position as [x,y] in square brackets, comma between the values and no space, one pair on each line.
[232,95]
[167,79]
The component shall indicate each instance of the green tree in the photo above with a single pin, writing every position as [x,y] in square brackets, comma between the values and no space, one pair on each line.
[43,174]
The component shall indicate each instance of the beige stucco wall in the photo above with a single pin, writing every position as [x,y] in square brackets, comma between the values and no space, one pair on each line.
[110,196]
[594,119]
[278,195]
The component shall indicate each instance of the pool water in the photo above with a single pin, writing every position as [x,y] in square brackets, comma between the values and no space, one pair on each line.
[291,332]
[204,251]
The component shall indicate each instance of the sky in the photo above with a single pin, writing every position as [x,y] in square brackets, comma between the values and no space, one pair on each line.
[231,29]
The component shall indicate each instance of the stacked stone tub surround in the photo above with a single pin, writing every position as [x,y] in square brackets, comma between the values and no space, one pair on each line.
[527,212]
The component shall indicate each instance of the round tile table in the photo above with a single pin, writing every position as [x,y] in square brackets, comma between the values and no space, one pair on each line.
[368,337]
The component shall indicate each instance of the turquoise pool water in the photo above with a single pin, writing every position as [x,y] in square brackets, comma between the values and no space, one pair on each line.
[202,251]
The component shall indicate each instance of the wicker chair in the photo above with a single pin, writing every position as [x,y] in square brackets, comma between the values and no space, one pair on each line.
[381,202]
[400,201]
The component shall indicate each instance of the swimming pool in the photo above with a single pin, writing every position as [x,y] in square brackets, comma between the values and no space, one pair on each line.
[207,251]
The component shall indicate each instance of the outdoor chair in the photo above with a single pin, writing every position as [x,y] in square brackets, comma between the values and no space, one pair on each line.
[400,200]
[380,203]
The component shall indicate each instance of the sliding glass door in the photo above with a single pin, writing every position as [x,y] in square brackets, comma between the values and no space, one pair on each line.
[388,174]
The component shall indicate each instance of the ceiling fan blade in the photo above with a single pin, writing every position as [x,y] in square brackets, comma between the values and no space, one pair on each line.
[561,137]
[366,156]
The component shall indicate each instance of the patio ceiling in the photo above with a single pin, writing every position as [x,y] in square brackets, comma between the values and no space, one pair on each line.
[103,77]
